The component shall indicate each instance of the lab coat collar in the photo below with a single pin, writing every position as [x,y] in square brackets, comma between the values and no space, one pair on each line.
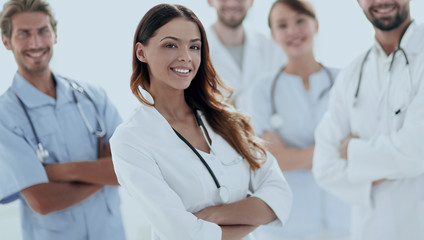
[220,50]
[32,97]
[156,125]
[409,42]
[250,41]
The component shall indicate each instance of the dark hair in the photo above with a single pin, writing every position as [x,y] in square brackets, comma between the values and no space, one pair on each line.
[13,7]
[301,6]
[203,92]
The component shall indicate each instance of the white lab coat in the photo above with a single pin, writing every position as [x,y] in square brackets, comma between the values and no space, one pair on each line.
[261,56]
[170,182]
[389,146]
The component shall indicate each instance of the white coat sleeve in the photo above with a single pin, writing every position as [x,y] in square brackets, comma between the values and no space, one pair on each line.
[140,176]
[329,169]
[397,155]
[269,184]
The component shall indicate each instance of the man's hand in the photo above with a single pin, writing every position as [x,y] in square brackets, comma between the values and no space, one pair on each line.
[103,150]
[208,214]
[273,141]
[344,146]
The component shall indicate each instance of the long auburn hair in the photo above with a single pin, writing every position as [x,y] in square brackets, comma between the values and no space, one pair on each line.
[204,91]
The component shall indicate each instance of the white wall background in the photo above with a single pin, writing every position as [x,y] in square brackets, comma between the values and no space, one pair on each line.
[95,42]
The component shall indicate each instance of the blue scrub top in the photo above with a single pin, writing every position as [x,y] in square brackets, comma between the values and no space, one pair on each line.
[313,209]
[63,133]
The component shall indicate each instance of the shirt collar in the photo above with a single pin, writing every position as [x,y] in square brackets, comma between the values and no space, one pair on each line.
[32,97]
[407,41]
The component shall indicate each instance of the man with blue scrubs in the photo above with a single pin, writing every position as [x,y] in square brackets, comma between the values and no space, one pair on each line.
[54,138]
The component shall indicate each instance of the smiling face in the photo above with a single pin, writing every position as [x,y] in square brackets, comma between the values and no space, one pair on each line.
[173,55]
[231,13]
[31,42]
[292,30]
[386,15]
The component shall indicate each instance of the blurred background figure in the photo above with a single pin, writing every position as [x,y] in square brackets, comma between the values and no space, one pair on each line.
[286,108]
[239,54]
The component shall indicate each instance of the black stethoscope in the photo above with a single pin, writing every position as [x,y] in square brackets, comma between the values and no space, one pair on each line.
[42,153]
[223,192]
[276,120]
[388,81]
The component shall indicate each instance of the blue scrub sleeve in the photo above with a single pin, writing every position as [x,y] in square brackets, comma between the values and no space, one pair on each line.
[111,117]
[19,165]
[108,112]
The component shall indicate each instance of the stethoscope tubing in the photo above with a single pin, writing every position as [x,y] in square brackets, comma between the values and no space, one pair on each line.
[274,83]
[361,69]
[43,153]
[223,191]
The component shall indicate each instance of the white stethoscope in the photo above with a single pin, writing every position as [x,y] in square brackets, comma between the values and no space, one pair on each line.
[389,75]
[223,192]
[42,153]
[276,120]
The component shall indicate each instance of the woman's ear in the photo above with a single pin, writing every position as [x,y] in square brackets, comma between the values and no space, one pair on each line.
[140,53]
[316,26]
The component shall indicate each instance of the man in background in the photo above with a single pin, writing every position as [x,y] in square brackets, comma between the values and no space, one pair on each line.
[240,56]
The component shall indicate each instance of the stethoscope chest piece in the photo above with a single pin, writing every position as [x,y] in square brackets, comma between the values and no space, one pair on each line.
[276,121]
[224,194]
[42,153]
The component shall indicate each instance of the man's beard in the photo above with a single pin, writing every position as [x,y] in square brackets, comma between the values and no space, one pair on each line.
[390,23]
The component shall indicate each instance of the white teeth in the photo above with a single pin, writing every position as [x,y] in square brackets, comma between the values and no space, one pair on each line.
[384,9]
[35,55]
[296,42]
[180,70]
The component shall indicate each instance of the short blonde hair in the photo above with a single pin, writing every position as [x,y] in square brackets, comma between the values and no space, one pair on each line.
[13,7]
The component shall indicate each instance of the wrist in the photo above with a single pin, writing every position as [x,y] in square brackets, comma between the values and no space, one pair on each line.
[69,170]
[219,214]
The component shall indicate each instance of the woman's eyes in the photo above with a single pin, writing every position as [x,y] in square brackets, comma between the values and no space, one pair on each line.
[301,20]
[195,47]
[171,45]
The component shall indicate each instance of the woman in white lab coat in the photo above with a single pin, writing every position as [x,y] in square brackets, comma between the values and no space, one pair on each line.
[191,162]
[286,108]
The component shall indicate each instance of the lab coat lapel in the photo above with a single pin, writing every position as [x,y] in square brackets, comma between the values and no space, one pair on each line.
[250,60]
[223,62]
